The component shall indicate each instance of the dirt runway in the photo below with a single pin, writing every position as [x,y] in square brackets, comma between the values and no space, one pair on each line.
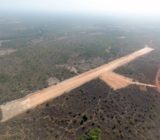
[117,81]
[158,80]
[19,106]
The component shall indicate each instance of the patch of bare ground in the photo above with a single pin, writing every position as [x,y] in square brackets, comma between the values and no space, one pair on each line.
[6,51]
[52,81]
[37,40]
[70,68]
[85,65]
[117,81]
[158,80]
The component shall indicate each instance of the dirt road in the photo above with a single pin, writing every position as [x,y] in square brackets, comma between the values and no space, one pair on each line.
[16,107]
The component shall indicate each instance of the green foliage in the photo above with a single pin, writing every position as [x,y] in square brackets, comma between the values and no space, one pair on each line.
[93,134]
[3,78]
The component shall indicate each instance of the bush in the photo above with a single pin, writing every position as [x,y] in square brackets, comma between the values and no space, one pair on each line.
[93,134]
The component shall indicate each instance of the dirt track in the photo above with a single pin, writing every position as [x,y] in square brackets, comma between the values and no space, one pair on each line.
[16,107]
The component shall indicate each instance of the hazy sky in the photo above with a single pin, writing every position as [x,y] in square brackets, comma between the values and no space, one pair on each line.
[137,7]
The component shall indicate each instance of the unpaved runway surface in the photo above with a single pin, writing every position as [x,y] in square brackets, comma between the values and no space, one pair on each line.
[158,80]
[117,81]
[16,107]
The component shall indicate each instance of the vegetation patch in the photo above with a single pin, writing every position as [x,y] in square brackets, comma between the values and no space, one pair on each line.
[3,78]
[93,134]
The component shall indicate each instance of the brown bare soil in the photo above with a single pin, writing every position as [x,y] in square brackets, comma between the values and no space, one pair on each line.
[117,81]
[6,51]
[14,108]
[52,81]
[158,80]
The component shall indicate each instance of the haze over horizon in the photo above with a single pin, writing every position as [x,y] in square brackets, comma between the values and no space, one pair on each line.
[100,7]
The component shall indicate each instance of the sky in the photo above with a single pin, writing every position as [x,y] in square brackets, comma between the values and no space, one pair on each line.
[129,7]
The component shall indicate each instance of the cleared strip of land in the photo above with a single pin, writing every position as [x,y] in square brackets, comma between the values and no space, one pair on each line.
[158,80]
[16,107]
[117,81]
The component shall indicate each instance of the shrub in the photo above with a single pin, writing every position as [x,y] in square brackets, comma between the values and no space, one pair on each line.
[93,134]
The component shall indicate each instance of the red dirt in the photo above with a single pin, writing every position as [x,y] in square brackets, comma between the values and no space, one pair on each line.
[117,81]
